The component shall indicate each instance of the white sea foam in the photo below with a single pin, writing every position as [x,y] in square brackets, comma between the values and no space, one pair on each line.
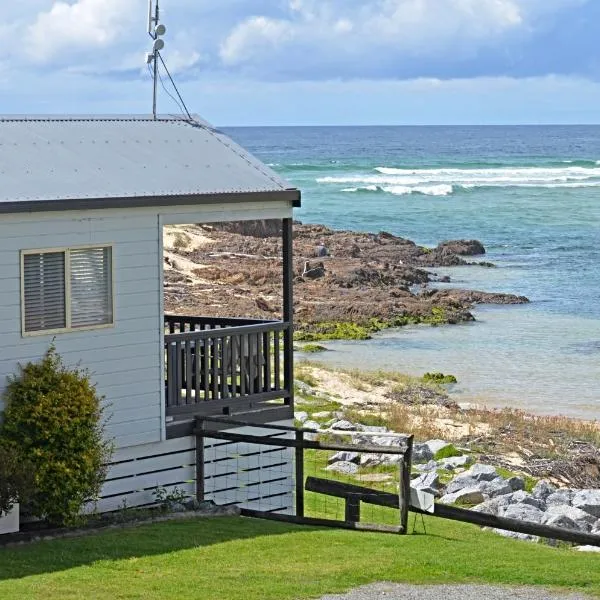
[366,188]
[443,181]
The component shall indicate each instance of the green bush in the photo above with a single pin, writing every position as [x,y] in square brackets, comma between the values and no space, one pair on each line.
[53,415]
[439,378]
[16,478]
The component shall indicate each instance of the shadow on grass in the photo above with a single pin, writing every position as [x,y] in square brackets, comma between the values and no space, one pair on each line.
[133,542]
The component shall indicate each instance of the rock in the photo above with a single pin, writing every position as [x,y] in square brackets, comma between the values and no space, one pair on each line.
[585,521]
[388,441]
[372,428]
[462,247]
[495,506]
[303,388]
[560,497]
[371,460]
[310,425]
[428,482]
[455,462]
[344,425]
[523,497]
[587,548]
[517,536]
[324,414]
[461,482]
[430,466]
[523,512]
[481,472]
[301,416]
[348,468]
[436,445]
[516,483]
[543,489]
[176,507]
[588,500]
[464,496]
[421,454]
[564,522]
[496,487]
[344,456]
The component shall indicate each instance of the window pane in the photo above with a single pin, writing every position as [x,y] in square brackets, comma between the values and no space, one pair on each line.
[44,291]
[91,287]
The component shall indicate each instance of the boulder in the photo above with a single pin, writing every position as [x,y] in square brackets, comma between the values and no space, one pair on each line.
[517,536]
[463,481]
[523,512]
[303,388]
[310,424]
[301,416]
[560,497]
[430,466]
[455,462]
[324,414]
[516,483]
[371,460]
[587,548]
[564,522]
[421,454]
[523,497]
[436,445]
[543,489]
[348,468]
[481,472]
[462,247]
[496,487]
[465,496]
[388,441]
[372,428]
[494,506]
[344,425]
[584,519]
[344,456]
[589,501]
[428,482]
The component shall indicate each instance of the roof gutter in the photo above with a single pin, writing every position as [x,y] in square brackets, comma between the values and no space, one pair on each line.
[292,196]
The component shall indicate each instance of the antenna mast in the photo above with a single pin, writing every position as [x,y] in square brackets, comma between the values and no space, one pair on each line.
[155,31]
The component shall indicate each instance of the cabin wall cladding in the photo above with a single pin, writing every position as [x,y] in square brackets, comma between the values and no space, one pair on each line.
[247,475]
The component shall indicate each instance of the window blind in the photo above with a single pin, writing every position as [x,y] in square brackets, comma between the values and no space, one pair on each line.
[91,287]
[44,291]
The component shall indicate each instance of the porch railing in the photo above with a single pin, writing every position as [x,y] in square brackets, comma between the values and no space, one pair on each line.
[210,360]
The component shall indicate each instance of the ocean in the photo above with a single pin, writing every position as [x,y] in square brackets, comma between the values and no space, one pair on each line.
[531,194]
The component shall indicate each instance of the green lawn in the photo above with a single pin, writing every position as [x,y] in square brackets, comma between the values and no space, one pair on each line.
[246,559]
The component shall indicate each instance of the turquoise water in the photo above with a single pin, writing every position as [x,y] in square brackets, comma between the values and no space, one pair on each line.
[530,194]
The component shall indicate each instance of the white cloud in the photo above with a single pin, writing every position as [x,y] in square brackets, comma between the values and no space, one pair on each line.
[85,24]
[351,33]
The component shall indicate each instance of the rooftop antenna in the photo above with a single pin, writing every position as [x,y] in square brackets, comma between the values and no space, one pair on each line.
[155,30]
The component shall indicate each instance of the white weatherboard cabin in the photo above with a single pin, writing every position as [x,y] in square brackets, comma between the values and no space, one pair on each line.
[83,204]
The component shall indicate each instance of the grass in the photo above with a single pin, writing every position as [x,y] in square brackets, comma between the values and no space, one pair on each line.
[247,559]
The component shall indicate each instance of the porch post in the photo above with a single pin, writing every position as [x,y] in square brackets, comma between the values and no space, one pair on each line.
[288,308]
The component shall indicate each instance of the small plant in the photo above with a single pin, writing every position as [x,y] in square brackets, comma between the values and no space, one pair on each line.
[168,498]
[439,378]
[16,478]
[53,416]
[447,452]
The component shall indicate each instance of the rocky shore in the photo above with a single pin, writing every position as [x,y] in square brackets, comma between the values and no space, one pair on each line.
[503,462]
[347,284]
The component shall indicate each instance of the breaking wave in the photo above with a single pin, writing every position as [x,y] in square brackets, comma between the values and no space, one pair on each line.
[445,181]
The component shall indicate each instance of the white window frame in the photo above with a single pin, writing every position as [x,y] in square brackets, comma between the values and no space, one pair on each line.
[66,250]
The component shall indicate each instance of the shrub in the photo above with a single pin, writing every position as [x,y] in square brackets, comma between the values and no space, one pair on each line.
[447,452]
[16,478]
[439,378]
[53,415]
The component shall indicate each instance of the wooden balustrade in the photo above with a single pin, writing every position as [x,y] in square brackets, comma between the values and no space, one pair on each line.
[209,360]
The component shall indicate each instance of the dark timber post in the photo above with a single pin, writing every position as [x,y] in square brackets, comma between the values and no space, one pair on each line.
[200,460]
[404,500]
[288,308]
[299,464]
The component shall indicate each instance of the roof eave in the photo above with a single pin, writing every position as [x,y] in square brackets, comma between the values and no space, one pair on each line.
[292,196]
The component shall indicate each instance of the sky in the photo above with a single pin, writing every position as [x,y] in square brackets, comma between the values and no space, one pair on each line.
[310,62]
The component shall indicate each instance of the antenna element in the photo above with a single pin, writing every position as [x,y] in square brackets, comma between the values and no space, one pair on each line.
[155,31]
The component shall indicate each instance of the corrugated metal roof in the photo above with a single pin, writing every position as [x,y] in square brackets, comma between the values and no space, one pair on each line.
[79,158]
